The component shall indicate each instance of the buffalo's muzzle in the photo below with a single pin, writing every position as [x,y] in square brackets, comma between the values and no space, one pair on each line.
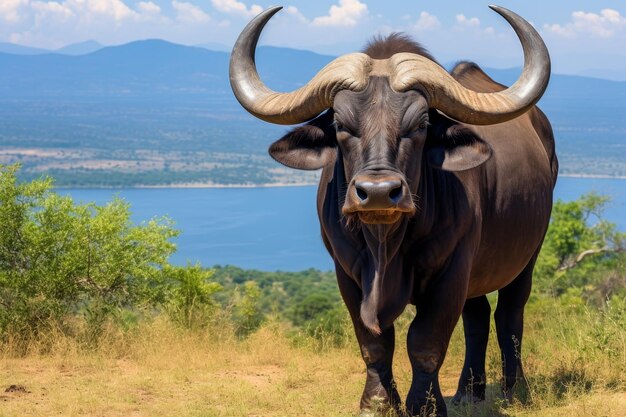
[378,198]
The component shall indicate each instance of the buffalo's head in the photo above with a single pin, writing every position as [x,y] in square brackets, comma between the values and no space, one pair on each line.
[383,116]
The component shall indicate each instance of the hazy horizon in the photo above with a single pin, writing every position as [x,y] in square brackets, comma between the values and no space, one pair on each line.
[584,38]
[90,46]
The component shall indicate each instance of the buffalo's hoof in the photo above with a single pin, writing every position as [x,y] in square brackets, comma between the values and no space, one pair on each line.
[390,412]
[520,391]
[378,407]
[461,398]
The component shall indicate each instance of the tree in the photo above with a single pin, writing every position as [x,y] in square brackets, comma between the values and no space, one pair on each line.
[311,308]
[582,250]
[59,259]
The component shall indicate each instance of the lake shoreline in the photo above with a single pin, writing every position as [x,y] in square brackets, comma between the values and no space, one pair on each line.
[273,228]
[280,184]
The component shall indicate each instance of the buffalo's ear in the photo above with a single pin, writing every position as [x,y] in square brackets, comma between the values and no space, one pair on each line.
[310,146]
[454,147]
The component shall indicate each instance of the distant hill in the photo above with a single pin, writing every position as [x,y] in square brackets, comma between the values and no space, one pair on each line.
[214,46]
[165,113]
[11,48]
[146,68]
[80,48]
[615,74]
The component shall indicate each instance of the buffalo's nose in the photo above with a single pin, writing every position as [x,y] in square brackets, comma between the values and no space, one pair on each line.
[378,194]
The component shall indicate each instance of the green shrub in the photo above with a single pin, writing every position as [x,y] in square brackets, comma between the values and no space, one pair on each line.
[189,299]
[247,313]
[60,261]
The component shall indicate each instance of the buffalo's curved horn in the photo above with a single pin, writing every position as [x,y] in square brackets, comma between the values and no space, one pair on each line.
[468,106]
[346,72]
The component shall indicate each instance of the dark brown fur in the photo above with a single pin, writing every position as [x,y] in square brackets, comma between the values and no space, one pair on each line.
[383,47]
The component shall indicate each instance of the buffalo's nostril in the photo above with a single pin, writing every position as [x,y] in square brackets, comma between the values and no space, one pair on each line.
[377,192]
[361,193]
[396,194]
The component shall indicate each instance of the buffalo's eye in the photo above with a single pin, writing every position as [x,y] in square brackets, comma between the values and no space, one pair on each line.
[340,127]
[417,129]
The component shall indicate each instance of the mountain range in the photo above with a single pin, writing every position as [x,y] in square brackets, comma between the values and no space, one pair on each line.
[79,48]
[155,67]
[145,68]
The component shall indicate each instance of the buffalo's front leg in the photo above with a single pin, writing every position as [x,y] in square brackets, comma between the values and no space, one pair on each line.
[377,351]
[426,354]
[438,311]
[380,391]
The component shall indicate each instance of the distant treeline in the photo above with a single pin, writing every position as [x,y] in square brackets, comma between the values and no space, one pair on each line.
[79,178]
[125,143]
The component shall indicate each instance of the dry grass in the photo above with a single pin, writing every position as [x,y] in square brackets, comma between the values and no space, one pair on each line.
[162,371]
[168,372]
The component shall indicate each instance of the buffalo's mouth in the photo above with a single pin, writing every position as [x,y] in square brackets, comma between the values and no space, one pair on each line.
[380,216]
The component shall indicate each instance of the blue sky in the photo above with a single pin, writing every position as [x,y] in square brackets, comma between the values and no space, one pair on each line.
[584,37]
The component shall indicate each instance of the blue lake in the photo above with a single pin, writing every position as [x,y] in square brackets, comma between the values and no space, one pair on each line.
[273,228]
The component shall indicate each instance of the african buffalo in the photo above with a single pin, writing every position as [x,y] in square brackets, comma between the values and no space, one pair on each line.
[436,190]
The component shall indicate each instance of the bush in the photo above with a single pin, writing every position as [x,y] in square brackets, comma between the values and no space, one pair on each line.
[247,313]
[331,328]
[190,295]
[60,261]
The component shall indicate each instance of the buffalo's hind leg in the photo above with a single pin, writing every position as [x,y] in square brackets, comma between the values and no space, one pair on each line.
[380,394]
[476,317]
[509,318]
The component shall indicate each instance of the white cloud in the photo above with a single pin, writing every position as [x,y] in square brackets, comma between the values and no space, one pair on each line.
[603,25]
[51,24]
[148,7]
[84,10]
[427,21]
[115,8]
[53,10]
[237,8]
[563,31]
[293,11]
[189,13]
[472,22]
[473,25]
[11,11]
[347,13]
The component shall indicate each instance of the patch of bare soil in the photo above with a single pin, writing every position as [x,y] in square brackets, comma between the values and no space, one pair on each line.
[258,376]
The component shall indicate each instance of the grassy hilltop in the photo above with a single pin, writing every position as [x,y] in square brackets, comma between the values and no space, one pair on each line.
[94,320]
